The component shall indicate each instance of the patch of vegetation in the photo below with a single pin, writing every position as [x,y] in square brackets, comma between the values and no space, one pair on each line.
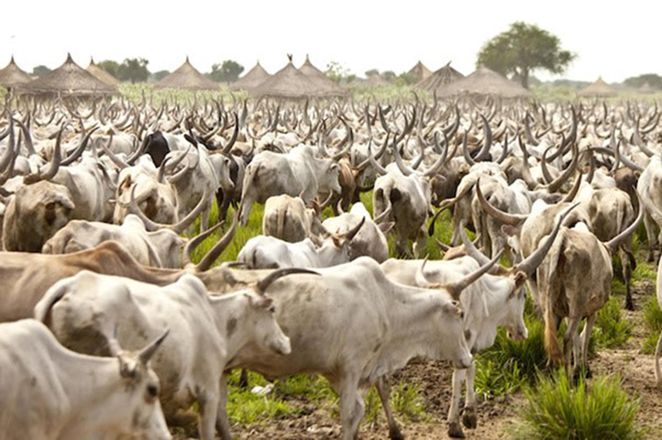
[556,409]
[406,401]
[653,321]
[508,365]
[611,330]
[247,408]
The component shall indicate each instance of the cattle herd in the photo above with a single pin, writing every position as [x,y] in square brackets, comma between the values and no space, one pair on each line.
[111,331]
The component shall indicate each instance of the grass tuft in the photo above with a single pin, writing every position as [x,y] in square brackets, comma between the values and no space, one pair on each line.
[557,410]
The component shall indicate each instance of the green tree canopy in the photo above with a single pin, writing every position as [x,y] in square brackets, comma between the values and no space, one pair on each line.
[134,70]
[40,70]
[110,66]
[652,79]
[371,72]
[228,71]
[158,76]
[522,49]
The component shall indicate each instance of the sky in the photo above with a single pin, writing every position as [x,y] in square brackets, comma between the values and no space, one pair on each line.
[613,40]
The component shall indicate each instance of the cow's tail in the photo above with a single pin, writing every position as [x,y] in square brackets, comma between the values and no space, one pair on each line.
[550,284]
[43,308]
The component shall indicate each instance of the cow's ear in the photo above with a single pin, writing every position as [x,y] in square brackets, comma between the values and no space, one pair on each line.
[454,308]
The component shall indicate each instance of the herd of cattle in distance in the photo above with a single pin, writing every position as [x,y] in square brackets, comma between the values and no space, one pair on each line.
[109,330]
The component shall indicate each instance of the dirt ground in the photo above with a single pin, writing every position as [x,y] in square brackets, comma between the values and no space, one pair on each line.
[496,416]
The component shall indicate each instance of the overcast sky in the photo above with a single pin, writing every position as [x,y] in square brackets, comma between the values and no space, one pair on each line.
[614,42]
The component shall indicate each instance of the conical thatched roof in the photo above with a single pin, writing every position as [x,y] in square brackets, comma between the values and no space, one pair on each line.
[419,72]
[253,78]
[484,82]
[440,79]
[101,74]
[186,77]
[598,89]
[288,83]
[68,80]
[325,86]
[12,75]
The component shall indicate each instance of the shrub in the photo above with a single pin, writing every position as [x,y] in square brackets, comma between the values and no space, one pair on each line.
[557,410]
[611,330]
[653,321]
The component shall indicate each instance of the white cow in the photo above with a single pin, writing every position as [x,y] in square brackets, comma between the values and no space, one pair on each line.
[287,218]
[297,173]
[50,393]
[264,252]
[208,333]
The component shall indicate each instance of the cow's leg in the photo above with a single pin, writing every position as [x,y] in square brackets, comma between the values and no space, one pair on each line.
[658,352]
[222,422]
[384,390]
[628,263]
[351,406]
[569,340]
[208,412]
[246,206]
[454,427]
[650,226]
[585,339]
[469,418]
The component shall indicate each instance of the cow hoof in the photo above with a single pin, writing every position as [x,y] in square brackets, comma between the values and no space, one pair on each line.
[455,430]
[469,419]
[587,373]
[395,434]
[629,304]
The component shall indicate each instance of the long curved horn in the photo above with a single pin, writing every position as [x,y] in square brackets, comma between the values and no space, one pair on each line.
[349,235]
[376,165]
[465,151]
[487,140]
[113,158]
[194,242]
[531,263]
[79,149]
[473,251]
[53,166]
[219,247]
[262,285]
[456,288]
[8,154]
[555,185]
[146,353]
[615,242]
[178,227]
[503,217]
[404,169]
[235,133]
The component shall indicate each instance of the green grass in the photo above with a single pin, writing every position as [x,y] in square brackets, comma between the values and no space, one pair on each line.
[653,322]
[556,409]
[611,330]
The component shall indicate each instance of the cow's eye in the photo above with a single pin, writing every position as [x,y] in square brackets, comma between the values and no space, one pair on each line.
[152,391]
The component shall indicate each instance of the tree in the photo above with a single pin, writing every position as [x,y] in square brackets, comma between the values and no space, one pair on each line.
[110,66]
[651,79]
[371,72]
[158,76]
[389,75]
[522,49]
[228,71]
[134,70]
[40,70]
[336,71]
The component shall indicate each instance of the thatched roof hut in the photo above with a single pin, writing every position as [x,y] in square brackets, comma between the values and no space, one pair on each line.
[69,80]
[288,83]
[440,79]
[253,78]
[101,74]
[599,89]
[419,72]
[186,77]
[325,86]
[484,82]
[12,75]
